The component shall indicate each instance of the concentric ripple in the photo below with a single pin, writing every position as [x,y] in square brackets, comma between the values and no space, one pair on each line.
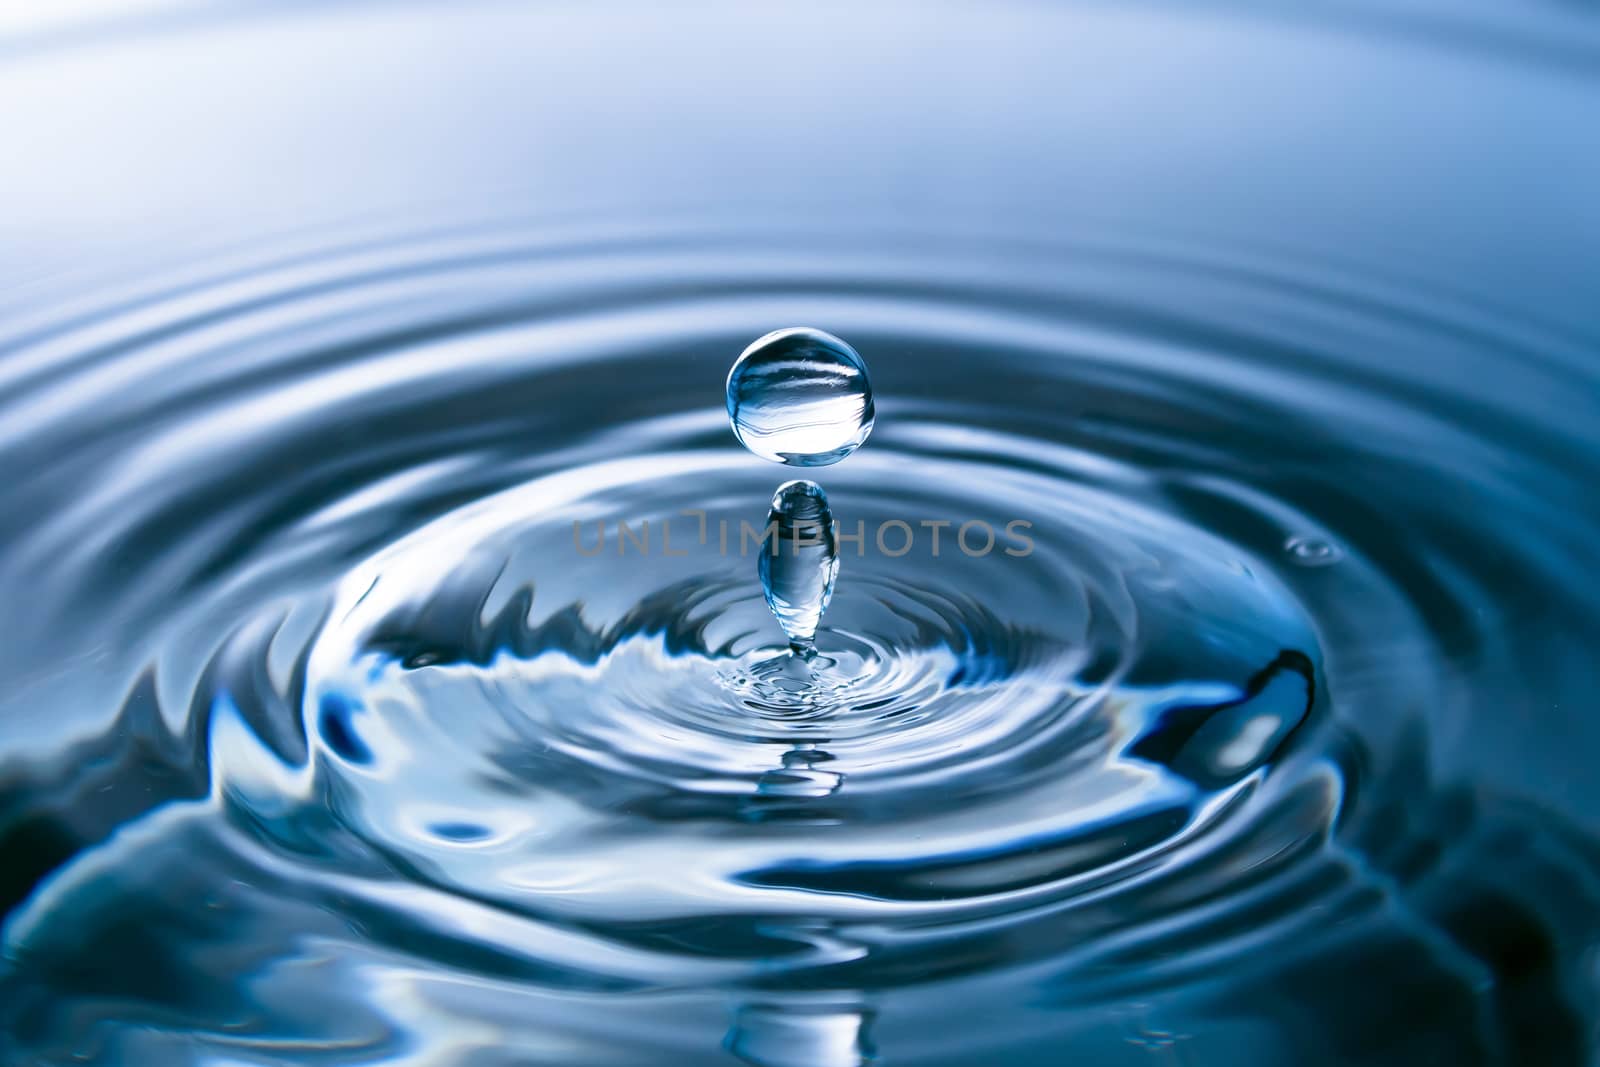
[426,756]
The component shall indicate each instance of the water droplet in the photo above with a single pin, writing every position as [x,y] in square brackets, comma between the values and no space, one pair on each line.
[799,560]
[800,396]
[1313,551]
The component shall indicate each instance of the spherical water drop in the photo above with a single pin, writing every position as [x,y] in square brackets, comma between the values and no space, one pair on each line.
[800,396]
[799,564]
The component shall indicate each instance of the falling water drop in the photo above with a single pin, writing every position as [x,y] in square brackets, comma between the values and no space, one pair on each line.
[800,396]
[799,560]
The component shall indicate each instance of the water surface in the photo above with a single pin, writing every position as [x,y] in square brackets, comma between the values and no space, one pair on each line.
[323,738]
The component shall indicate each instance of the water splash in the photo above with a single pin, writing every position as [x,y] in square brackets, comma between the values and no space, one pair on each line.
[800,561]
[800,396]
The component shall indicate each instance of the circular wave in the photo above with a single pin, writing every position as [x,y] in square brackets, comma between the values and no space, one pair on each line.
[400,693]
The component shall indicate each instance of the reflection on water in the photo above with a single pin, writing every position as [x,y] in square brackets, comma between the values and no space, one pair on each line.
[801,1035]
[334,734]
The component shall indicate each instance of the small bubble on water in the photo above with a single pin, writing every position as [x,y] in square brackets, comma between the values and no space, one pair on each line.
[799,564]
[800,396]
[1313,551]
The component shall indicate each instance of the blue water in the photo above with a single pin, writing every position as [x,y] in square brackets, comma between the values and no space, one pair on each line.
[800,396]
[798,560]
[1209,678]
